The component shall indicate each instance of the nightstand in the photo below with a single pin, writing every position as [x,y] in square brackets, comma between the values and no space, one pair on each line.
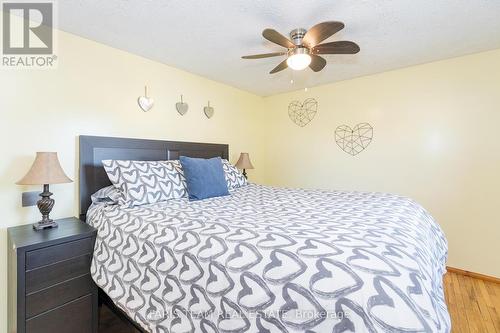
[50,287]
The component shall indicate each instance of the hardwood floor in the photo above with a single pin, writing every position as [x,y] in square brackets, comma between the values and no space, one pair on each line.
[474,306]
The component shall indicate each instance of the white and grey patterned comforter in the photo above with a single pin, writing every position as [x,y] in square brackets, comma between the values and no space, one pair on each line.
[274,260]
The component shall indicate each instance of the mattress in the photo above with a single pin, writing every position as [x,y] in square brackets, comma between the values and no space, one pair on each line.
[270,259]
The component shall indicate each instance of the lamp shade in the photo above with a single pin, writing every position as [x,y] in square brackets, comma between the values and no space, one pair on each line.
[244,162]
[45,170]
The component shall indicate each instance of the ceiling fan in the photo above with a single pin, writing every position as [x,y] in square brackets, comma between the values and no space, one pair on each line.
[303,47]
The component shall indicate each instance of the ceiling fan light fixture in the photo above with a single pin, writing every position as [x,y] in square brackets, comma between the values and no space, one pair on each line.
[299,59]
[304,47]
[298,62]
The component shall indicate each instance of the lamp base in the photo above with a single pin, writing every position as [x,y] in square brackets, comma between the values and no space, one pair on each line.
[45,205]
[45,225]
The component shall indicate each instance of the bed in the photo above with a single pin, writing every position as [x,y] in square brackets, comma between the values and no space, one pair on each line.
[263,259]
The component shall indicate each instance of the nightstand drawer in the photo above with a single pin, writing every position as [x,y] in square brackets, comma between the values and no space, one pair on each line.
[50,275]
[50,287]
[72,317]
[53,254]
[57,295]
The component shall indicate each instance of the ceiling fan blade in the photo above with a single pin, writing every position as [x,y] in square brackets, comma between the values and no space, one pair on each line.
[320,32]
[277,38]
[280,67]
[264,55]
[340,47]
[317,63]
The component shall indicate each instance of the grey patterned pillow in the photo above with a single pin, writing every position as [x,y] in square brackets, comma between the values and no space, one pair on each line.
[108,194]
[146,182]
[234,177]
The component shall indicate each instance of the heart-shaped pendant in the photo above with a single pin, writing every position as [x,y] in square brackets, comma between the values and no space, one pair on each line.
[302,113]
[208,110]
[145,103]
[354,140]
[181,107]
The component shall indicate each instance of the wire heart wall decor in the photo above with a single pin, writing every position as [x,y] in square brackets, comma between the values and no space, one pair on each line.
[302,113]
[354,140]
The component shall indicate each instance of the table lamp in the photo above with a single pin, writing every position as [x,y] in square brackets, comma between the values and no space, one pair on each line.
[45,170]
[244,163]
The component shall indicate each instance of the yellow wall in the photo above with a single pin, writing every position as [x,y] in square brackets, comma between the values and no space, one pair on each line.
[94,92]
[436,139]
[435,134]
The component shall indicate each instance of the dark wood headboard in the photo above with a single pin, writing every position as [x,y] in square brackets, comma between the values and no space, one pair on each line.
[94,149]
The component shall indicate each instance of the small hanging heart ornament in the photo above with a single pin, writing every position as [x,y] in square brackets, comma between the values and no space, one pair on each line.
[181,107]
[145,103]
[209,111]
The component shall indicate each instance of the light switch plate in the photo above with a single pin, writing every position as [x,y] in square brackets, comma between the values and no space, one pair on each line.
[30,198]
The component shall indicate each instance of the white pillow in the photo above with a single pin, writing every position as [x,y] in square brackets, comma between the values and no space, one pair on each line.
[146,182]
[109,194]
[234,177]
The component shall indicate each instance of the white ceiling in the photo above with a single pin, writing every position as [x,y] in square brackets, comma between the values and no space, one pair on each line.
[208,37]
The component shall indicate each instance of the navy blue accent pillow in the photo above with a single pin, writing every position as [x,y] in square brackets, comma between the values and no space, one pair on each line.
[204,177]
